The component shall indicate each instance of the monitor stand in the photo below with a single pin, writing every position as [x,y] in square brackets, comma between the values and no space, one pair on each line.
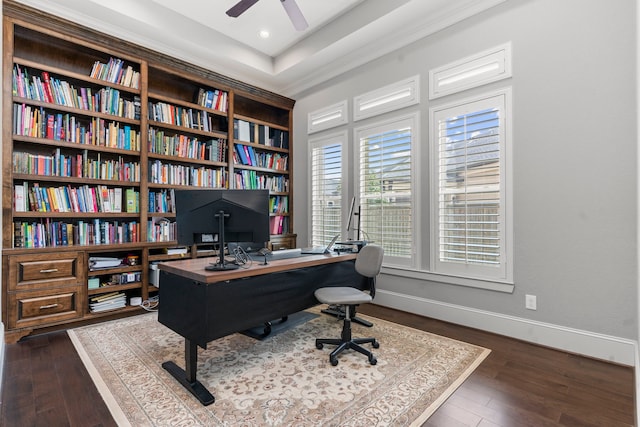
[221,265]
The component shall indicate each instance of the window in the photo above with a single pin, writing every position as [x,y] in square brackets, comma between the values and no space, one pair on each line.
[385,186]
[473,71]
[328,117]
[386,99]
[327,186]
[471,214]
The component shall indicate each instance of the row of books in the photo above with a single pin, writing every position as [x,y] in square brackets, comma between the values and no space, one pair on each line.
[108,301]
[168,173]
[181,116]
[252,180]
[186,146]
[38,123]
[246,155]
[99,198]
[214,99]
[76,165]
[54,91]
[279,224]
[46,233]
[122,278]
[247,131]
[278,204]
[161,230]
[162,201]
[114,71]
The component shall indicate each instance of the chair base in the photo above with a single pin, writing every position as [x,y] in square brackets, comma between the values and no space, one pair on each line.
[346,342]
[344,345]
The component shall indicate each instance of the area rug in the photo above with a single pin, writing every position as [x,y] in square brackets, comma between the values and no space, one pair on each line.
[280,381]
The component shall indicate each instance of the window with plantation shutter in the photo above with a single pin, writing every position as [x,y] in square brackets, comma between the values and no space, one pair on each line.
[469,210]
[327,186]
[385,186]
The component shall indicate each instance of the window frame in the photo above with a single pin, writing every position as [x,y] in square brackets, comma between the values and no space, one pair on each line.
[374,127]
[340,138]
[503,99]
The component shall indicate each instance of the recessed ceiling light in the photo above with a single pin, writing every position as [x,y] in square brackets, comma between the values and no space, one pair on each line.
[264,34]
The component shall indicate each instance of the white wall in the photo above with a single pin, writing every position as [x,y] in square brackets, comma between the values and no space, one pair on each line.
[575,170]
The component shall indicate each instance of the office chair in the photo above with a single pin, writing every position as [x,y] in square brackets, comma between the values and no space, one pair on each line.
[368,264]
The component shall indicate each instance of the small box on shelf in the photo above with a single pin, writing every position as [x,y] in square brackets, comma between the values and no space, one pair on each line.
[93,283]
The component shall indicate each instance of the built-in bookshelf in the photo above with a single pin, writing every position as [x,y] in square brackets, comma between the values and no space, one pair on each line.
[98,133]
[261,159]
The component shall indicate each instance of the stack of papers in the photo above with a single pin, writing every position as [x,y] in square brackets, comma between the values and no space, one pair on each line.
[104,262]
[176,251]
[110,301]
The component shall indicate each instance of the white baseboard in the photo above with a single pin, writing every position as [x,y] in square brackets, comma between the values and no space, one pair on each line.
[599,346]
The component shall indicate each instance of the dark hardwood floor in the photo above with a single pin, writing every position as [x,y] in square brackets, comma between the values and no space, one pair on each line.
[519,384]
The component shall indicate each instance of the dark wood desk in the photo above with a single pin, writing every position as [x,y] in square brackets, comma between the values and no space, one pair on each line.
[203,305]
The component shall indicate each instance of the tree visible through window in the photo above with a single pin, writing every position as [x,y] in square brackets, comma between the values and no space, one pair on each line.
[386,188]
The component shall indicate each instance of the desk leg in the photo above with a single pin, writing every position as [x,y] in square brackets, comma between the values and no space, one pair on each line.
[188,377]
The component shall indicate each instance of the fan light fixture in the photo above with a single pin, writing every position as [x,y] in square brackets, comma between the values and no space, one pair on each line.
[290,6]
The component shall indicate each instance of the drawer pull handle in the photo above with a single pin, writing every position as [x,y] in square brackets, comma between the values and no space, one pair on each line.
[43,307]
[49,270]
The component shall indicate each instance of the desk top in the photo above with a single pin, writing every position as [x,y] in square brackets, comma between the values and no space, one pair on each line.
[194,268]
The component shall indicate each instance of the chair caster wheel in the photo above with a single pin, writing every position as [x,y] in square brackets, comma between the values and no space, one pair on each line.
[373,360]
[319,345]
[375,344]
[334,361]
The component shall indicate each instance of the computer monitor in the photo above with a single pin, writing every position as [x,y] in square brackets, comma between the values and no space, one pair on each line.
[218,216]
[353,213]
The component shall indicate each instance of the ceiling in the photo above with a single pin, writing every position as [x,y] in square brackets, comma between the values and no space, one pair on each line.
[342,34]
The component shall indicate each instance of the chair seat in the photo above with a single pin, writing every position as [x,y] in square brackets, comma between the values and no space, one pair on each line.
[342,296]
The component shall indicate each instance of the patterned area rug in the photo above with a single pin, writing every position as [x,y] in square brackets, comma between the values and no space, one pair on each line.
[280,381]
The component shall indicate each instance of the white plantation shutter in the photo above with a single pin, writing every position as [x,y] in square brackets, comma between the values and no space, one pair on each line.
[470,210]
[386,188]
[326,189]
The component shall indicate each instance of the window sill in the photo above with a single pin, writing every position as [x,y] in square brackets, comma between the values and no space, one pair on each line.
[491,285]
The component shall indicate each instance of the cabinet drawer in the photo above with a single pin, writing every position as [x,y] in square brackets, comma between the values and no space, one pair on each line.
[41,307]
[40,270]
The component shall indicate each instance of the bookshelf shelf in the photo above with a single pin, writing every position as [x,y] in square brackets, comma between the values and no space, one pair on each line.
[85,113]
[112,288]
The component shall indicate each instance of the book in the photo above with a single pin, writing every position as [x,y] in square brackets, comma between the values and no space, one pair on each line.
[244,130]
[131,204]
[18,235]
[117,200]
[106,297]
[19,198]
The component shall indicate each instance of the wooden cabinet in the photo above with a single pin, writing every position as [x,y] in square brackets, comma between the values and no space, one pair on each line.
[98,133]
[43,289]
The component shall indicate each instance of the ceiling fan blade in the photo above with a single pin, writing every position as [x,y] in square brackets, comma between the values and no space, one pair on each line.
[295,14]
[240,8]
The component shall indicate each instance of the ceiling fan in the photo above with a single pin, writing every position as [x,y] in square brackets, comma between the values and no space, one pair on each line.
[290,6]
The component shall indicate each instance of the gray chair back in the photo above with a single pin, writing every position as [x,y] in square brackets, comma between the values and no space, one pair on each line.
[369,260]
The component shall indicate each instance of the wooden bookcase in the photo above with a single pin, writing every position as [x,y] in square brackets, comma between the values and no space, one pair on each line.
[90,161]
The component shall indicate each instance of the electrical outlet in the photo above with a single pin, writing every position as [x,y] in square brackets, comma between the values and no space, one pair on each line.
[530,302]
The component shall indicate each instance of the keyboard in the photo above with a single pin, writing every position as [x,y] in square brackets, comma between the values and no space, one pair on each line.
[285,253]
